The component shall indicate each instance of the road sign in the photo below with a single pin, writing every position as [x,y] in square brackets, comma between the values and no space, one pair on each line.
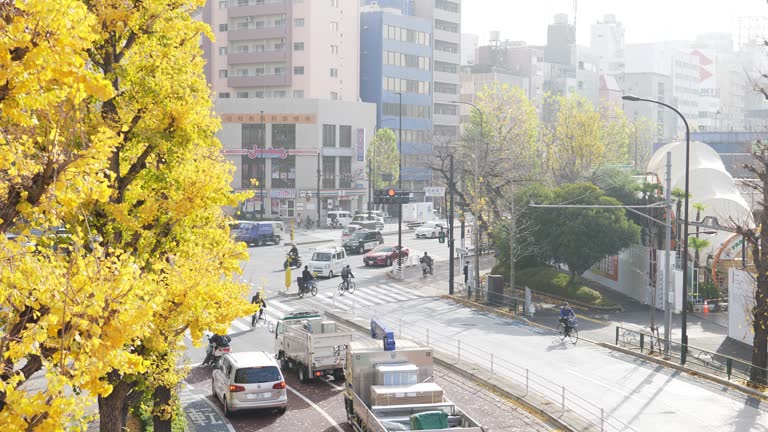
[434,191]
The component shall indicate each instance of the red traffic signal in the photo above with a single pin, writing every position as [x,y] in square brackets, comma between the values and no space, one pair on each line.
[391,193]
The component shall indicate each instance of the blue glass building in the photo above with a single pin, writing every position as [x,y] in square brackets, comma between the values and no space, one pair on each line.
[396,57]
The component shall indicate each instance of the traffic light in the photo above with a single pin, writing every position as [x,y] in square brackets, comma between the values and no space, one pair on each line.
[391,196]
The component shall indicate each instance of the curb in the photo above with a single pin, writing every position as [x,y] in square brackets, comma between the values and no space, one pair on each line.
[472,377]
[662,362]
[689,371]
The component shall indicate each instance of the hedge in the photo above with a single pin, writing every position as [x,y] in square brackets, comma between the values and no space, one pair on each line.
[548,280]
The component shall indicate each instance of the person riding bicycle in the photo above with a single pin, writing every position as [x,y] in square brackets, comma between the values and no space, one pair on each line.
[258,300]
[567,316]
[426,259]
[346,273]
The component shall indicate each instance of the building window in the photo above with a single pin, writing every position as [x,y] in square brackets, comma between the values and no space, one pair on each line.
[345,136]
[222,50]
[279,70]
[345,172]
[258,94]
[222,73]
[329,172]
[298,46]
[284,136]
[334,49]
[224,95]
[222,4]
[254,134]
[335,3]
[242,95]
[334,96]
[334,72]
[298,94]
[298,70]
[334,26]
[329,135]
[242,72]
[279,94]
[222,27]
[298,22]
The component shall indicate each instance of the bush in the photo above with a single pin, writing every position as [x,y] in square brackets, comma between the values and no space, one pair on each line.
[548,280]
[143,411]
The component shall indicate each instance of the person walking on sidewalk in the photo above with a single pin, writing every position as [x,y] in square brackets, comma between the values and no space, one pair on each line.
[466,272]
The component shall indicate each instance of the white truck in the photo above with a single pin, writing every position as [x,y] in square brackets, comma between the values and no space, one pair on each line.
[416,213]
[389,388]
[311,345]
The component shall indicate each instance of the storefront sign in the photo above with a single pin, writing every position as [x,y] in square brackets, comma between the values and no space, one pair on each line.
[361,145]
[282,193]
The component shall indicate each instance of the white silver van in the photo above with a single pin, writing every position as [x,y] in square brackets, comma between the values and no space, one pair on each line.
[328,261]
[338,219]
[249,380]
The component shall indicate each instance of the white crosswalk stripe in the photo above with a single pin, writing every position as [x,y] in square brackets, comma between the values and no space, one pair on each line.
[402,291]
[279,305]
[387,293]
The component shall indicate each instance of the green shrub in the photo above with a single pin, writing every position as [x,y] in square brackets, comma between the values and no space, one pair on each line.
[549,280]
[143,411]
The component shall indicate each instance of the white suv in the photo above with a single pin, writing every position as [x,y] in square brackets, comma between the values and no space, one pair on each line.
[431,229]
[249,380]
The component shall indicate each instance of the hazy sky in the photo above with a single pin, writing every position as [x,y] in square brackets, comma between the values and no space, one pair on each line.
[644,20]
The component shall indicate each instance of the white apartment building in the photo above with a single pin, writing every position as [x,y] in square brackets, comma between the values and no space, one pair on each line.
[469,45]
[283,49]
[607,42]
[301,152]
[446,61]
[666,58]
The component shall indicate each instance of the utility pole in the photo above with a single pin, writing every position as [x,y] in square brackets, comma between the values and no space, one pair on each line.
[450,228]
[669,293]
[318,188]
[400,186]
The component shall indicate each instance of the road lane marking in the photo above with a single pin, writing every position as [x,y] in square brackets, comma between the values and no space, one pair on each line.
[334,386]
[602,384]
[280,306]
[240,325]
[315,407]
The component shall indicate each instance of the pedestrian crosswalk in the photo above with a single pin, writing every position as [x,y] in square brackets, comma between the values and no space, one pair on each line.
[328,298]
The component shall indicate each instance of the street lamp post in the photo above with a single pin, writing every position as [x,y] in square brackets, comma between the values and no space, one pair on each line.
[400,183]
[474,219]
[634,124]
[684,323]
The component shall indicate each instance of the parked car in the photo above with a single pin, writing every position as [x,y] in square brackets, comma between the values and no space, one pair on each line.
[328,261]
[349,230]
[384,255]
[256,233]
[249,380]
[362,218]
[431,229]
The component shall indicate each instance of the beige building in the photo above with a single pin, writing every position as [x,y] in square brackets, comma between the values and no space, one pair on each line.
[283,49]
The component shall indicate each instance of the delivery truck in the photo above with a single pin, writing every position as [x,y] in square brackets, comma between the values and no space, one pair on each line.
[390,388]
[311,345]
[416,213]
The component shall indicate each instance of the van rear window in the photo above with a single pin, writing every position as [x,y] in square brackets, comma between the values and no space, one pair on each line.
[255,375]
[321,256]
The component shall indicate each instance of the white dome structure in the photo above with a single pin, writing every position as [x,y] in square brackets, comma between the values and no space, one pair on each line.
[710,184]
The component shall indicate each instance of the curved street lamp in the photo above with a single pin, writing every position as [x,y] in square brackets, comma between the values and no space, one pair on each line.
[684,324]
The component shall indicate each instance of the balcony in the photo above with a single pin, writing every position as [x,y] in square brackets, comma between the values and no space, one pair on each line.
[446,119]
[257,33]
[266,8]
[448,57]
[447,36]
[273,56]
[446,77]
[444,97]
[259,81]
[445,15]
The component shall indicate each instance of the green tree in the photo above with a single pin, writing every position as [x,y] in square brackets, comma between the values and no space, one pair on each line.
[384,157]
[580,237]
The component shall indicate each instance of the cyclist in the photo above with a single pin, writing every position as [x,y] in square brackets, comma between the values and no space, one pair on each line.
[567,316]
[258,300]
[346,273]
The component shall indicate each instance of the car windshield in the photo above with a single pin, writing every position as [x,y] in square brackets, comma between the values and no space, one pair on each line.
[350,229]
[384,249]
[255,375]
[429,225]
[321,256]
[360,235]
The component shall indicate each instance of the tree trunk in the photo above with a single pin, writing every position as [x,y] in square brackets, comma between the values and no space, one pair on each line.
[113,408]
[760,340]
[162,399]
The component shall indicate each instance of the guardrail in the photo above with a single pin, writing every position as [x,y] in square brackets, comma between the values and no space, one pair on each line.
[563,401]
[697,358]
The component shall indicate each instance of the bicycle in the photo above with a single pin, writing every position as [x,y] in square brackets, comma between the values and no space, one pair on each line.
[259,318]
[312,289]
[573,332]
[349,286]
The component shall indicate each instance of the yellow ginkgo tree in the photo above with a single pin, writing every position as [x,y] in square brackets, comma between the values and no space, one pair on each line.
[111,193]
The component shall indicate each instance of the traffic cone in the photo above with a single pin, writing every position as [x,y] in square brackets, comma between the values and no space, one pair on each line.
[706,307]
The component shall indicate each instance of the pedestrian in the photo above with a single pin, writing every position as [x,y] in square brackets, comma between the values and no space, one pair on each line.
[466,272]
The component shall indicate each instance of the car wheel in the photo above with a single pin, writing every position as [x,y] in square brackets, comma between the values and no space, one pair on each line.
[227,412]
[330,274]
[303,374]
[389,262]
[213,389]
[281,411]
[277,240]
[258,242]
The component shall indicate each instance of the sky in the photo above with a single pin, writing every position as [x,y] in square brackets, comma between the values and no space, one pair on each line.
[644,21]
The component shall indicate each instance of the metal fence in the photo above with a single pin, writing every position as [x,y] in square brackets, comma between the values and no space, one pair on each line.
[562,401]
[697,358]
